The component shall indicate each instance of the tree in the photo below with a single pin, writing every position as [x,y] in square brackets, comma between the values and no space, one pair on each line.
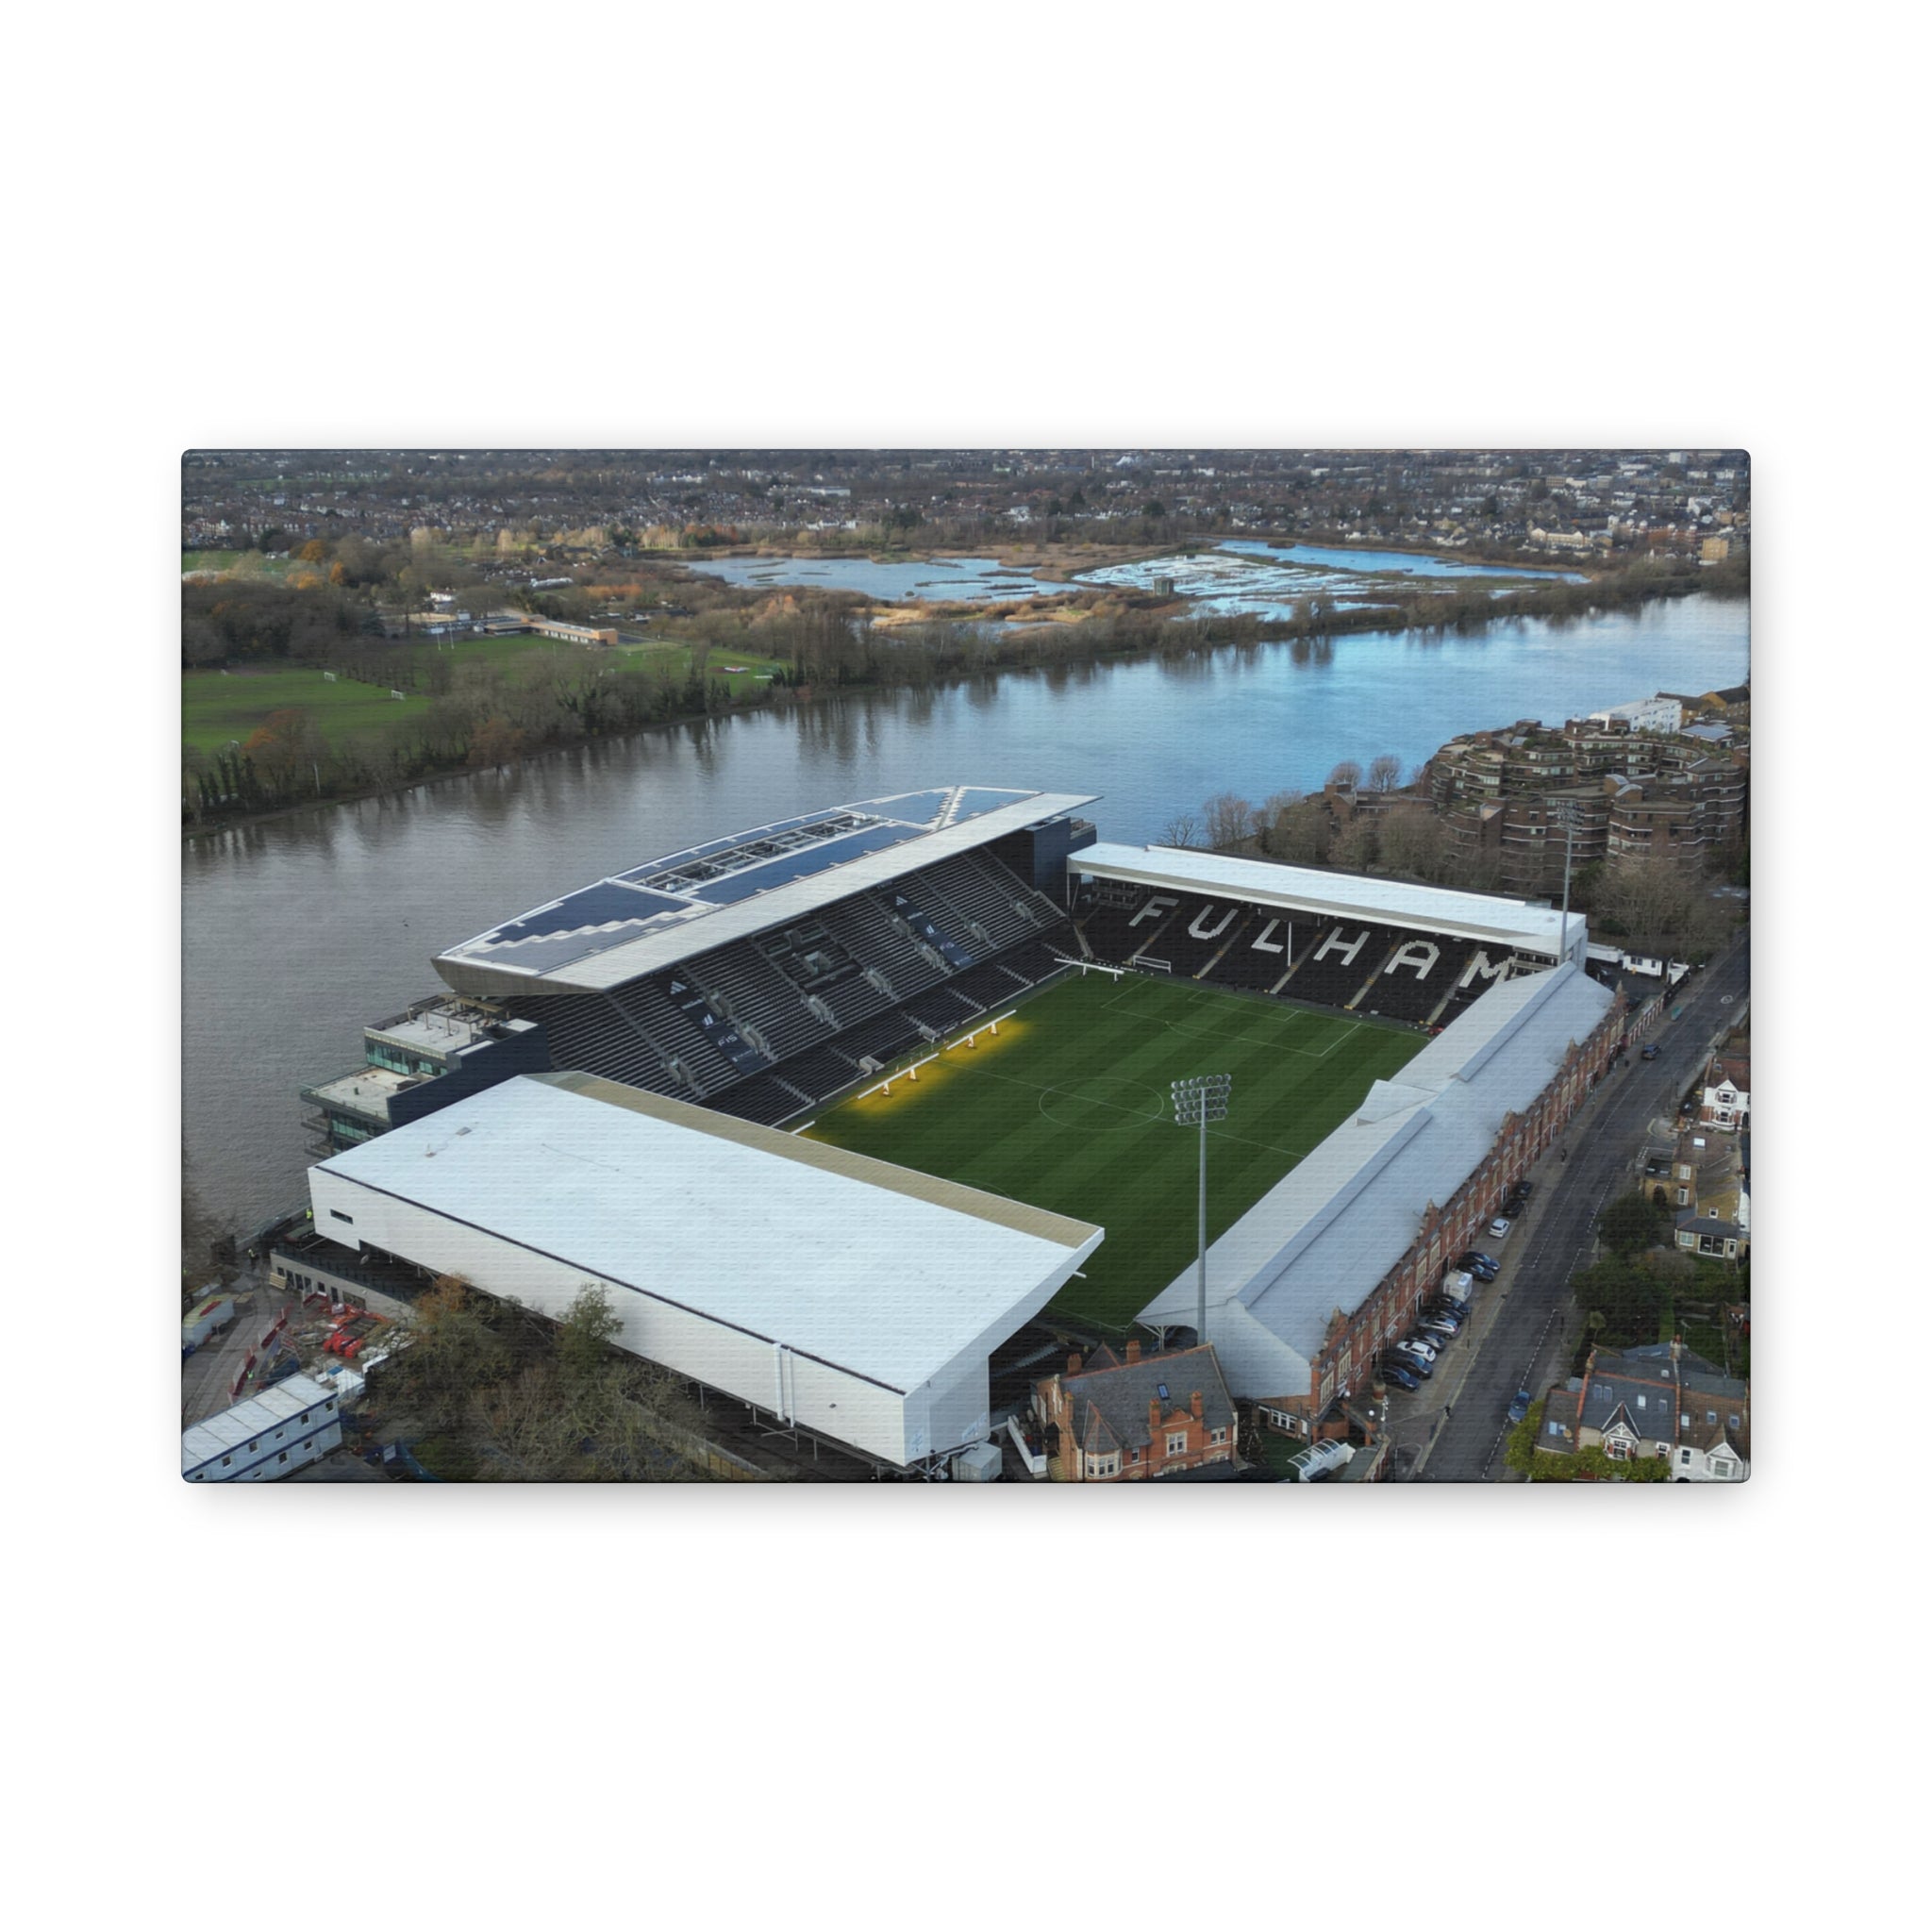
[1356,845]
[1629,1225]
[1230,819]
[1346,776]
[1385,772]
[1182,829]
[585,1335]
[453,1353]
[1412,841]
[1519,1450]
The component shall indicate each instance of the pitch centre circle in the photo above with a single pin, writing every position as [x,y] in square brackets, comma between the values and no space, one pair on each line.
[1104,1105]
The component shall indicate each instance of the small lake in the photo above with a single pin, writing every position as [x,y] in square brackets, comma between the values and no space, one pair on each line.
[1238,577]
[1241,578]
[938,579]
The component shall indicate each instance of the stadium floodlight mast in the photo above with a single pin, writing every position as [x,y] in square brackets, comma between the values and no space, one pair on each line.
[1195,1102]
[1566,811]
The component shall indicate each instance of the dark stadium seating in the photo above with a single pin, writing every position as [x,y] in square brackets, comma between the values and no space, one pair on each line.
[1411,989]
[767,1100]
[1187,949]
[867,932]
[821,1070]
[1334,969]
[1465,996]
[983,894]
[753,988]
[1109,930]
[676,1029]
[1265,948]
[881,1038]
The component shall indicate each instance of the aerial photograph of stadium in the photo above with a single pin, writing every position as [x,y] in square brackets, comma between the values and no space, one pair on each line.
[1035,966]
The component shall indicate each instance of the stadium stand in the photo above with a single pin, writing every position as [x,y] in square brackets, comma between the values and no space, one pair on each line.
[1199,930]
[1112,935]
[768,1100]
[997,910]
[591,1031]
[672,1014]
[1417,975]
[1340,961]
[866,930]
[1261,953]
[752,988]
[1485,967]
[820,1071]
[880,1039]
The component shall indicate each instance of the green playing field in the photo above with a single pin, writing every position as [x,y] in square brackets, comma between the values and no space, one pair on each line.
[1069,1109]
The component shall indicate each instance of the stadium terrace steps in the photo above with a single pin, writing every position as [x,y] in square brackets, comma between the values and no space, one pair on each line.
[753,988]
[980,889]
[1198,932]
[766,1100]
[653,1009]
[1340,961]
[1108,932]
[588,1031]
[1412,987]
[868,933]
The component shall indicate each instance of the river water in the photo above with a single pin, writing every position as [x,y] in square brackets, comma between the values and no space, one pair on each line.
[299,931]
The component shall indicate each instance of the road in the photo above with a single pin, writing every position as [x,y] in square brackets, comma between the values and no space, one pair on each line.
[1521,1339]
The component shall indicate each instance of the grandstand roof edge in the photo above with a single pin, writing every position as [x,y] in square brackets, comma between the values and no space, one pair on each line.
[1344,895]
[700,931]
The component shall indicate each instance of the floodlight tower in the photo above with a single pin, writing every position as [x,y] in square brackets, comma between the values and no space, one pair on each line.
[1566,811]
[1195,1102]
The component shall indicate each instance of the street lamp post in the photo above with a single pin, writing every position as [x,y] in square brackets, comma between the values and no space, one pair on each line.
[1196,1101]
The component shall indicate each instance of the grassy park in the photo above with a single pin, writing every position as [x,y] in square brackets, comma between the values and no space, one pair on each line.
[1069,1109]
[220,706]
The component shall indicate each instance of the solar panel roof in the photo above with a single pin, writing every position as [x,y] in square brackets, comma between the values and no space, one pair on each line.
[660,901]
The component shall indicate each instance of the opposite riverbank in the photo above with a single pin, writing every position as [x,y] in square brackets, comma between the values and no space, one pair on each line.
[501,726]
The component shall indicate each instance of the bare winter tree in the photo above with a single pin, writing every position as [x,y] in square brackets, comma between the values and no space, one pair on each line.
[1385,772]
[1346,776]
[1230,819]
[1411,841]
[1184,828]
[1354,845]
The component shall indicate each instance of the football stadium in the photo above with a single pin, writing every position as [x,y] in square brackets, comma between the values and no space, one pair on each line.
[856,1112]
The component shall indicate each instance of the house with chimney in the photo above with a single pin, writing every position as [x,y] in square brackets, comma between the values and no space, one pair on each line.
[1135,1417]
[1660,1402]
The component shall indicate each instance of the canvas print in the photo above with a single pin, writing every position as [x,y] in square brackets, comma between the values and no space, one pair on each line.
[964,966]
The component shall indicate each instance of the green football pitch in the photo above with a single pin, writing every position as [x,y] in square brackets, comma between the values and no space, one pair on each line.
[1069,1109]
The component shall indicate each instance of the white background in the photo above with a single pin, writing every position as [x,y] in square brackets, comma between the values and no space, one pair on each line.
[1639,226]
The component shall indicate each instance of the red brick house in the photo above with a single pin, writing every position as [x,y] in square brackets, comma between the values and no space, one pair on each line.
[1114,1418]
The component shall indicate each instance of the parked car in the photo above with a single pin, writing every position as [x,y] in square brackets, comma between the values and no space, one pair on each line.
[1524,1187]
[1414,1362]
[1519,1408]
[1450,1318]
[1485,1262]
[1402,1377]
[1438,1330]
[1500,1227]
[1651,1052]
[1479,1265]
[1461,1311]
[1420,1345]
